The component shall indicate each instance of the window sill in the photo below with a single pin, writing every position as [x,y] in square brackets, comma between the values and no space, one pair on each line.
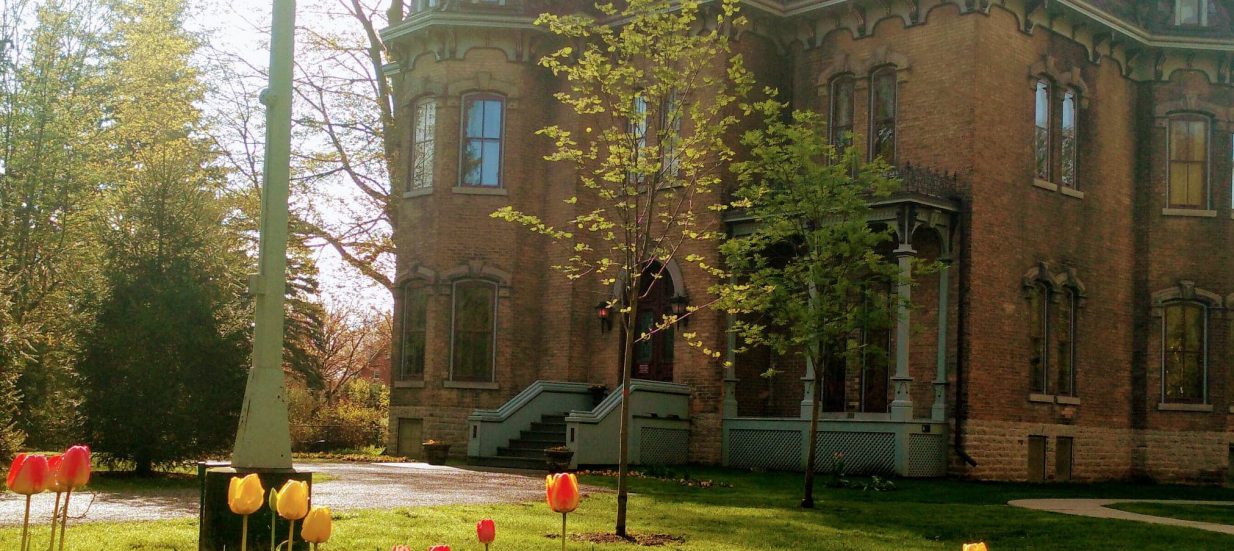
[1071,192]
[470,385]
[475,190]
[408,384]
[1041,398]
[417,193]
[1067,400]
[1196,213]
[1043,184]
[1200,408]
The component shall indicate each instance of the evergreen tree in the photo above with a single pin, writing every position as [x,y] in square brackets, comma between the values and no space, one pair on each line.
[164,366]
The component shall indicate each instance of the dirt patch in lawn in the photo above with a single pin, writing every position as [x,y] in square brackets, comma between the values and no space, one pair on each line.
[645,540]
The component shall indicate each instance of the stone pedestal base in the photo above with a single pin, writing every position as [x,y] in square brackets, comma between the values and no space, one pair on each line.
[219,528]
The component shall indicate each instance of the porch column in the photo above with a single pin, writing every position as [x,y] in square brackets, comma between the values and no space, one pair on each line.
[807,401]
[939,410]
[730,369]
[902,406]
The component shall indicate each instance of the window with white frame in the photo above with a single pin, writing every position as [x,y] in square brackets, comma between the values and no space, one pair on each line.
[483,129]
[1191,13]
[1188,145]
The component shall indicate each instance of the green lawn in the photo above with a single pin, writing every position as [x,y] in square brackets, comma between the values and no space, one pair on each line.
[1220,514]
[758,512]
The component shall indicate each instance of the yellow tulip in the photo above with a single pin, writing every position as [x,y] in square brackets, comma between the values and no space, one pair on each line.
[245,495]
[980,546]
[317,526]
[293,500]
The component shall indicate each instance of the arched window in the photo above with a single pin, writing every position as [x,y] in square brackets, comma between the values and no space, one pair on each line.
[1070,137]
[1064,337]
[1039,338]
[423,137]
[842,112]
[474,331]
[414,323]
[483,128]
[1184,345]
[1041,131]
[883,114]
[1188,154]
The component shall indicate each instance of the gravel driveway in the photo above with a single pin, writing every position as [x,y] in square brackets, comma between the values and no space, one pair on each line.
[354,486]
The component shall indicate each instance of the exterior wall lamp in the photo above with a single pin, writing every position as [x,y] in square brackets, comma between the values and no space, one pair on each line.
[680,306]
[604,311]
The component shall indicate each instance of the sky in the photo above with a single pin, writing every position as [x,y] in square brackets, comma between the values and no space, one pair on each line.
[240,28]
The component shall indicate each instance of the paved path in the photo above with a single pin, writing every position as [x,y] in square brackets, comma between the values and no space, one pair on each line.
[354,486]
[1097,508]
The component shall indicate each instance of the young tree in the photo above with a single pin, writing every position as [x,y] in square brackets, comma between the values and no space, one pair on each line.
[164,366]
[655,96]
[809,276]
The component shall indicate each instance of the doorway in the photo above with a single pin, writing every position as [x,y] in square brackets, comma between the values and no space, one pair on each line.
[653,357]
[410,438]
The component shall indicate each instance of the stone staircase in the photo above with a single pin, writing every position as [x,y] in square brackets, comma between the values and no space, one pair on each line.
[527,451]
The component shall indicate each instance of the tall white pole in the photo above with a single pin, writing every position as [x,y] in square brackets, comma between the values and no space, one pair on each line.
[264,440]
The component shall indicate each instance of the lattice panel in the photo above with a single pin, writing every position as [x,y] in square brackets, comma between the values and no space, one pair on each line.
[769,449]
[658,446]
[927,455]
[865,453]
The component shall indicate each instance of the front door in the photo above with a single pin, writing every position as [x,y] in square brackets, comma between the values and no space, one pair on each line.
[653,356]
[409,438]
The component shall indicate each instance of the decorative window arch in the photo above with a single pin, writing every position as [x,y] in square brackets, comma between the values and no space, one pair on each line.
[483,132]
[1185,313]
[1054,303]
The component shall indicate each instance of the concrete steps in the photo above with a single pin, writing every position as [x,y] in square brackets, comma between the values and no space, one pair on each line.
[527,451]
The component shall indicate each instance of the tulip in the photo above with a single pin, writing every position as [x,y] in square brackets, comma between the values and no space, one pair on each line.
[486,532]
[561,490]
[28,476]
[439,548]
[245,496]
[317,526]
[274,516]
[292,504]
[979,546]
[55,483]
[74,472]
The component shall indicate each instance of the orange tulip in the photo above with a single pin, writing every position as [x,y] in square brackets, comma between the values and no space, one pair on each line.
[28,474]
[486,531]
[75,469]
[980,546]
[562,492]
[55,478]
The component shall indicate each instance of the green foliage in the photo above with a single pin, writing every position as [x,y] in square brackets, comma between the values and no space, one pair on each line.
[810,274]
[356,419]
[164,363]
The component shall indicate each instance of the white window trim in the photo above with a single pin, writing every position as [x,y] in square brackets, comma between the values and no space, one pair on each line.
[454,320]
[463,138]
[417,119]
[1208,160]
[1202,5]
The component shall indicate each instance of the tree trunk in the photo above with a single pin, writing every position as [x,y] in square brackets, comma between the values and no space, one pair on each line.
[629,320]
[820,367]
[143,466]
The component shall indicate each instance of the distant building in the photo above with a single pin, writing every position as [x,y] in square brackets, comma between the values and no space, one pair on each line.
[1072,168]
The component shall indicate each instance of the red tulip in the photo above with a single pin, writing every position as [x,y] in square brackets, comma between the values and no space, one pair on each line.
[55,480]
[75,471]
[486,531]
[562,492]
[439,548]
[28,474]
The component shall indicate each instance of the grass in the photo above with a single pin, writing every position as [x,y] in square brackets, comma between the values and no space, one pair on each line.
[1219,514]
[745,511]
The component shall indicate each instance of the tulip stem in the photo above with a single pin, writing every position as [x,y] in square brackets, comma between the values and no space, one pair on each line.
[273,521]
[25,524]
[291,536]
[244,533]
[563,531]
[64,516]
[55,519]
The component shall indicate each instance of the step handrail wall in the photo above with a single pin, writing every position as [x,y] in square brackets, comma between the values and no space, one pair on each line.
[489,429]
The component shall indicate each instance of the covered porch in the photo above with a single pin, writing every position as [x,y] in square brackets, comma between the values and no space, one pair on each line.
[886,413]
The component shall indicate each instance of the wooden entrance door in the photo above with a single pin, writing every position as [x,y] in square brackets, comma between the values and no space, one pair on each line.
[653,357]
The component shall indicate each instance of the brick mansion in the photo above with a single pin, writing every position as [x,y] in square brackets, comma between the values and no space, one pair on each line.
[1070,163]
